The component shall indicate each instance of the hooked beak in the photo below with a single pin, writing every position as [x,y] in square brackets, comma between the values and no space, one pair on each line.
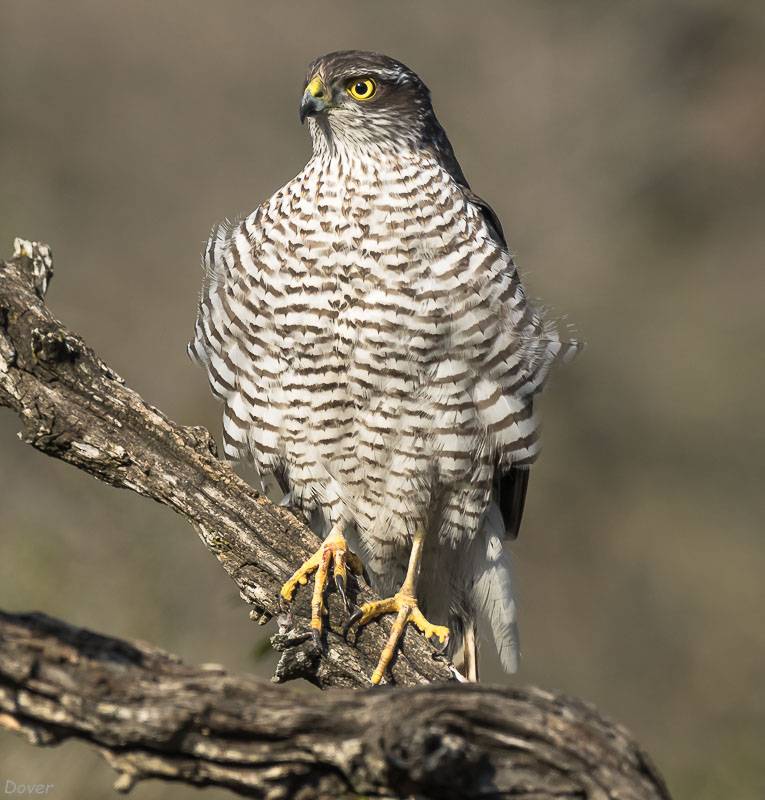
[314,99]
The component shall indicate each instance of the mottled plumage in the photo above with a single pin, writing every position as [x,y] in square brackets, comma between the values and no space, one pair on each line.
[370,339]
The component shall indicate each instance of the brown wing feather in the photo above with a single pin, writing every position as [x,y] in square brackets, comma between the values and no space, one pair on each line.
[510,492]
[509,486]
[489,214]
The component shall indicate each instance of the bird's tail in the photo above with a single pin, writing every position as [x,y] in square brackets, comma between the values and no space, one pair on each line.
[468,664]
[492,592]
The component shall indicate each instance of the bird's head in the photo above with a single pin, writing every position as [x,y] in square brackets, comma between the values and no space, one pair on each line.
[354,98]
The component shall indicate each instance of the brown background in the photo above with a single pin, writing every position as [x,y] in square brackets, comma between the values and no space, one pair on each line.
[622,145]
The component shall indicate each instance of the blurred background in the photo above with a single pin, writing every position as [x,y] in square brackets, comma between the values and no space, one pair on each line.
[623,147]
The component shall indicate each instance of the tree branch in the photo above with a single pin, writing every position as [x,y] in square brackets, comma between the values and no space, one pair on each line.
[152,716]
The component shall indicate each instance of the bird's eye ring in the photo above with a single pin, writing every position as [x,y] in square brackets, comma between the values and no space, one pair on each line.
[362,90]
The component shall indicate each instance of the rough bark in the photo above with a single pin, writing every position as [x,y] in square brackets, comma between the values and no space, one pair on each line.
[152,716]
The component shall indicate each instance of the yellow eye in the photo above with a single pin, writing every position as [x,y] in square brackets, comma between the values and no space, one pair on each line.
[362,90]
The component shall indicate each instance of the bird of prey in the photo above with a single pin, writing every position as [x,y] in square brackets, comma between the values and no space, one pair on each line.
[369,336]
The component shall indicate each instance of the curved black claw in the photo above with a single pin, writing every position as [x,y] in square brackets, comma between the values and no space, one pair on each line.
[352,620]
[340,582]
[316,636]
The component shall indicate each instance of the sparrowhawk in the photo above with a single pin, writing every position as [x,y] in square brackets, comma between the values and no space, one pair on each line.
[369,336]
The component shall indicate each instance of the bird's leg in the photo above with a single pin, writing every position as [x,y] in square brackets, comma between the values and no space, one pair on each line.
[333,549]
[404,604]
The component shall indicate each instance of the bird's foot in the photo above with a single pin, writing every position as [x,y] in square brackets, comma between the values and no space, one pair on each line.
[333,549]
[405,606]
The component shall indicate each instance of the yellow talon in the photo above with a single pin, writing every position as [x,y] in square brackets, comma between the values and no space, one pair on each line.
[441,632]
[301,576]
[334,549]
[405,605]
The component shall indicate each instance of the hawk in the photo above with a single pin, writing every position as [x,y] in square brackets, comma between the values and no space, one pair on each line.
[369,336]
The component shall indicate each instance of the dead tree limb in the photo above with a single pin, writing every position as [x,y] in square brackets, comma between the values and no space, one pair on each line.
[152,716]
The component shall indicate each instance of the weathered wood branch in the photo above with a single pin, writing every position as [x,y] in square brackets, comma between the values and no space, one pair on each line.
[76,408]
[152,716]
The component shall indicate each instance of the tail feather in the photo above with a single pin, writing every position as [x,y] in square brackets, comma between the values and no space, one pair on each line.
[470,653]
[492,593]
